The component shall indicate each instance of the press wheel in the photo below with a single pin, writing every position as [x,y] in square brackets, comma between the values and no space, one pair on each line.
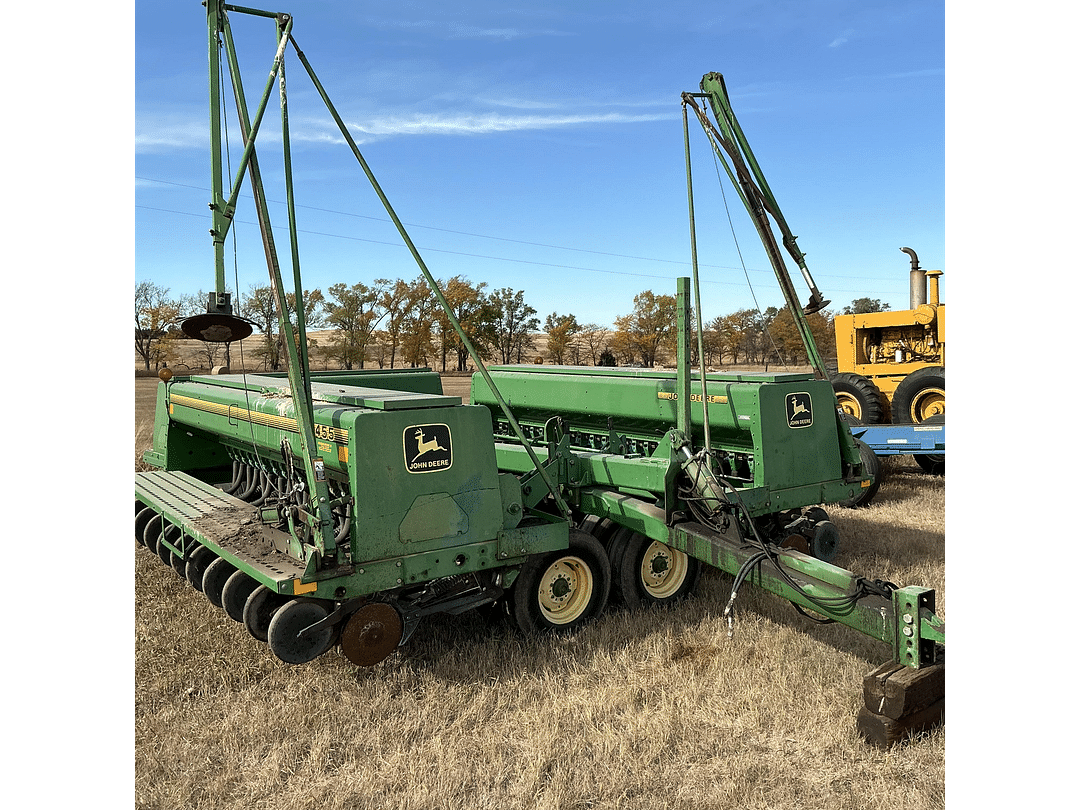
[142,517]
[172,534]
[284,637]
[197,563]
[235,594]
[214,579]
[151,533]
[259,611]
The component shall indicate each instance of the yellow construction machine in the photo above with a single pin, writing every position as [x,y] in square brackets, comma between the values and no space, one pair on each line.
[891,365]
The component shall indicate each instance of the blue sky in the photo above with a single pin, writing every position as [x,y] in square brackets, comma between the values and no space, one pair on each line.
[539,146]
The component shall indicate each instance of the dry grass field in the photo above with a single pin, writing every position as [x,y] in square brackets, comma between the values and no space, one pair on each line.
[639,711]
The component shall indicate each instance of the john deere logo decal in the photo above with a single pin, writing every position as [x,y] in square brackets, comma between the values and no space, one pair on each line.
[427,448]
[799,411]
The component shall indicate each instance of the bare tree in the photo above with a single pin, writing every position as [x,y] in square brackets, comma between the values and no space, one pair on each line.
[155,315]
[260,305]
[515,325]
[595,340]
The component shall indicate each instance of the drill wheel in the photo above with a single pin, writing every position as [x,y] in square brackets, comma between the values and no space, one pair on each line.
[291,619]
[235,594]
[198,561]
[151,533]
[142,517]
[173,535]
[259,611]
[217,574]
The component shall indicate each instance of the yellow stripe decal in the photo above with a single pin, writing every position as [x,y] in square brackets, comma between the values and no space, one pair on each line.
[713,398]
[326,432]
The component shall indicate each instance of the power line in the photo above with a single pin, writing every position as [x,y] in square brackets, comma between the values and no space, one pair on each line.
[862,289]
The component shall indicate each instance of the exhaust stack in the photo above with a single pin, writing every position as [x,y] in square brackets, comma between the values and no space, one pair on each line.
[935,297]
[917,280]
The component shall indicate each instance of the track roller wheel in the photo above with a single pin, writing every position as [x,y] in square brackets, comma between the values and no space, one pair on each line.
[214,579]
[858,397]
[646,572]
[198,561]
[142,517]
[235,594]
[872,467]
[562,590]
[284,637]
[259,610]
[371,634]
[151,533]
[920,396]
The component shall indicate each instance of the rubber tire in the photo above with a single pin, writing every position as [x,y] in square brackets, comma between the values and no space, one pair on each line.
[602,529]
[214,579]
[907,393]
[524,602]
[288,621]
[627,553]
[151,533]
[872,465]
[198,561]
[235,594]
[865,394]
[179,565]
[173,535]
[142,517]
[259,611]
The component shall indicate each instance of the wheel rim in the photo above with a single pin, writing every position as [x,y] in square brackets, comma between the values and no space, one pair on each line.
[566,588]
[928,403]
[663,570]
[849,405]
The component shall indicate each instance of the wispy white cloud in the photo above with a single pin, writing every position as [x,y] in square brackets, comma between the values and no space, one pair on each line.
[457,30]
[915,74]
[154,135]
[486,123]
[842,38]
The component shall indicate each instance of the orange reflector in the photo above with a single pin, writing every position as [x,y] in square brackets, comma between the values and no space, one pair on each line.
[298,587]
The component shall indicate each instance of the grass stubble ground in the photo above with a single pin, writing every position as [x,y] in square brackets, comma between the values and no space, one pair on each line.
[646,709]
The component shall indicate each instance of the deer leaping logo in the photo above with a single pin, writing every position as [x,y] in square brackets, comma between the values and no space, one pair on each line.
[427,446]
[800,410]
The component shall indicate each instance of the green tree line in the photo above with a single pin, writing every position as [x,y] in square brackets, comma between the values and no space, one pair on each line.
[393,323]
